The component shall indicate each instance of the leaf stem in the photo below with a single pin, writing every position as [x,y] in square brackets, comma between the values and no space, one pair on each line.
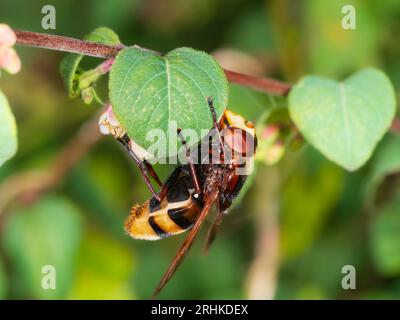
[88,48]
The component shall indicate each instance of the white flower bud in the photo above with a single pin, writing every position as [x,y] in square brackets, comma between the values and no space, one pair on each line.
[108,124]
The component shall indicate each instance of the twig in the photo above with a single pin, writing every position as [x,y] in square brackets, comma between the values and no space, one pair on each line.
[28,186]
[88,48]
[260,84]
[60,43]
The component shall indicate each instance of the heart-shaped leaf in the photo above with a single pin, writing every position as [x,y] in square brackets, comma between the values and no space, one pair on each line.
[149,91]
[8,131]
[70,64]
[344,120]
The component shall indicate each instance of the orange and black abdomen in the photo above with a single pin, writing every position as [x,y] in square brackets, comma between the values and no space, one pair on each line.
[177,211]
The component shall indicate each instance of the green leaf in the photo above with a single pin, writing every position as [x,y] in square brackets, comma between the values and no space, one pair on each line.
[149,91]
[386,162]
[69,67]
[8,131]
[46,233]
[385,239]
[344,120]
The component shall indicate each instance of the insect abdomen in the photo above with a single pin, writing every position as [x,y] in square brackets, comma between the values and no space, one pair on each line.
[154,222]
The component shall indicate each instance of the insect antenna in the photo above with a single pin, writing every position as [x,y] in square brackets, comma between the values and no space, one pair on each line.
[152,172]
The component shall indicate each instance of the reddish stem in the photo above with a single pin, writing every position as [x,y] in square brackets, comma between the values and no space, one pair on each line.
[88,48]
[54,42]
[261,84]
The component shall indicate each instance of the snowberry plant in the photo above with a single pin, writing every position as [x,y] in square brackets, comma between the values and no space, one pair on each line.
[343,119]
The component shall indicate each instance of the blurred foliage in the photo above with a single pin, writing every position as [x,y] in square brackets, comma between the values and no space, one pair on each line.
[385,237]
[46,233]
[350,49]
[104,269]
[8,131]
[2,281]
[328,218]
[302,221]
[386,162]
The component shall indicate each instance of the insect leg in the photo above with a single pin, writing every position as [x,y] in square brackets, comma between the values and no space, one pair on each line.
[187,243]
[152,173]
[109,125]
[190,162]
[125,141]
[212,231]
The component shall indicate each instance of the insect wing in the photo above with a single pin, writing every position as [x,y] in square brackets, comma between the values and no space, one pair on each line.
[187,243]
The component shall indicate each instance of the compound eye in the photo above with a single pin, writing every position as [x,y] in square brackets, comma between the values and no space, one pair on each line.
[239,141]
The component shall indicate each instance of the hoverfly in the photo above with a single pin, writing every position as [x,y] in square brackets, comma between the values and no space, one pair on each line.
[192,189]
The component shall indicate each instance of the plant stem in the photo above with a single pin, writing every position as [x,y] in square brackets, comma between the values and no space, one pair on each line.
[260,84]
[60,43]
[88,48]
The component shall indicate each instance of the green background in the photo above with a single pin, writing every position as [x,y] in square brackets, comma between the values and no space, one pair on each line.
[300,222]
